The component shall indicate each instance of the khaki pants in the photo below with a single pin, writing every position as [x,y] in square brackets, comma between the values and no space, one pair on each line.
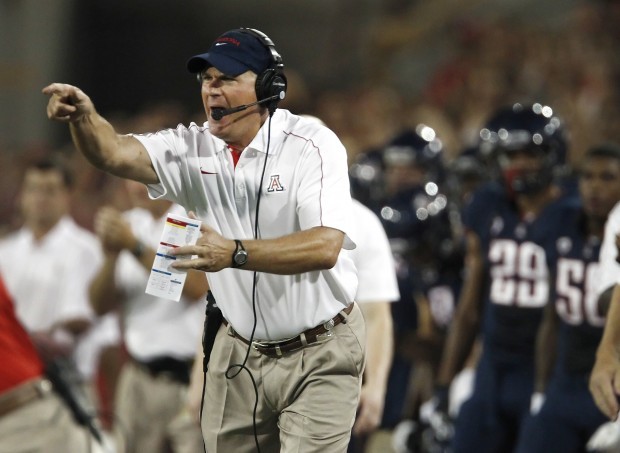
[44,425]
[307,399]
[150,414]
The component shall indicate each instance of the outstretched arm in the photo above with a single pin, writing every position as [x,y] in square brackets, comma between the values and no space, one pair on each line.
[120,155]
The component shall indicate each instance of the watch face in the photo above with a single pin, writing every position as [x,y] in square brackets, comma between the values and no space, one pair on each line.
[241,257]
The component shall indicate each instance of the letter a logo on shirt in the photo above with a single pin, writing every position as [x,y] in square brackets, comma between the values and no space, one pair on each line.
[274,184]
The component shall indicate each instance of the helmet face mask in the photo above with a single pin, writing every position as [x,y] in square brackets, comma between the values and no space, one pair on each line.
[403,176]
[525,171]
[522,133]
[409,161]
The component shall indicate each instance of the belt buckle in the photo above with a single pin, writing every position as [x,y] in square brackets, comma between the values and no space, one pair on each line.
[43,387]
[328,326]
[270,349]
[260,344]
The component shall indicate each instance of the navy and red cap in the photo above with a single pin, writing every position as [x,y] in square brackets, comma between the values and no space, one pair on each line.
[233,53]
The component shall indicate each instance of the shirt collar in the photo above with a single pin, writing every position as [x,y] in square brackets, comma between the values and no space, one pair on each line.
[58,232]
[259,143]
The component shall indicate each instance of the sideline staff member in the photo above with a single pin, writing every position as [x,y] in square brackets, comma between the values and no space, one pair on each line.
[605,377]
[32,416]
[272,190]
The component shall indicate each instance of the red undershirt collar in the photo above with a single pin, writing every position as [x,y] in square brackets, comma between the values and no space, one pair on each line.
[236,154]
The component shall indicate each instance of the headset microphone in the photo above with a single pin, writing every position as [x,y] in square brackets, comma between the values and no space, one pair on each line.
[217,113]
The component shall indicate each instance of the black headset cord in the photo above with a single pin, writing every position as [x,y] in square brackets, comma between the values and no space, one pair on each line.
[242,366]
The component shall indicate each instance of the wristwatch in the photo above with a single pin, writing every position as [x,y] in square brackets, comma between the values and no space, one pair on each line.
[239,256]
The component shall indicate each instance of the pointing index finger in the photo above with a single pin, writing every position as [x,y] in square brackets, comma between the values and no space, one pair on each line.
[53,88]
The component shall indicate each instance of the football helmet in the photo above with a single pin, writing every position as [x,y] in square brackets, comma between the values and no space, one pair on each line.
[533,129]
[464,174]
[367,179]
[406,163]
[420,148]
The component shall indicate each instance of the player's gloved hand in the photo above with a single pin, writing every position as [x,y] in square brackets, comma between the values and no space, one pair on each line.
[536,402]
[606,438]
[404,435]
[461,389]
[438,403]
[434,413]
[442,429]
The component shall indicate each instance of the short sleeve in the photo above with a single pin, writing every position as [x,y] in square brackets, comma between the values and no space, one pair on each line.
[610,269]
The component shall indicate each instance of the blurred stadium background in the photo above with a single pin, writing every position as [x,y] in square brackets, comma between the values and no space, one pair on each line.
[366,67]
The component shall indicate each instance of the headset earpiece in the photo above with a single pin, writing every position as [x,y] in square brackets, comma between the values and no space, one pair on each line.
[272,81]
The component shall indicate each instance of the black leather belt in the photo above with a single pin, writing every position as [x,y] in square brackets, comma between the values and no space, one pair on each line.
[279,348]
[175,369]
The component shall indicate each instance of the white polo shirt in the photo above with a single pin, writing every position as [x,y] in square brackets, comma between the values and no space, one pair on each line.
[154,327]
[609,267]
[49,279]
[373,259]
[305,185]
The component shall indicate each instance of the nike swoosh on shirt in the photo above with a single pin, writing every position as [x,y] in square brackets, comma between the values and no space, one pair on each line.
[220,43]
[205,172]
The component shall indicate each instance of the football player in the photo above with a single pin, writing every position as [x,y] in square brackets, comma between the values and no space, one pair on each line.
[506,283]
[573,326]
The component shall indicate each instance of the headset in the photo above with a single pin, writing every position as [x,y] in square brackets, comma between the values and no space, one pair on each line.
[271,83]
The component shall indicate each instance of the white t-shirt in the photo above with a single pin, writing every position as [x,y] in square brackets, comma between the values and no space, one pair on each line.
[609,267]
[305,185]
[153,326]
[376,270]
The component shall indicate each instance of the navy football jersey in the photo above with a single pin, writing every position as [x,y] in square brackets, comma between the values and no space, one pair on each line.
[517,277]
[573,262]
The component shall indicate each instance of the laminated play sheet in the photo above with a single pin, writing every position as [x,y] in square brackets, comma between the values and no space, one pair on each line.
[165,281]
